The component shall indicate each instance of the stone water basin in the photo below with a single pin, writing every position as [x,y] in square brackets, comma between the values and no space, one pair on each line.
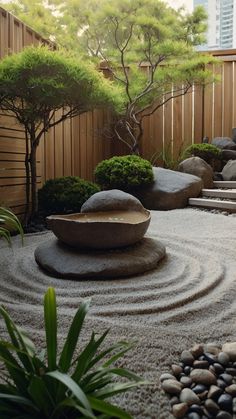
[100,230]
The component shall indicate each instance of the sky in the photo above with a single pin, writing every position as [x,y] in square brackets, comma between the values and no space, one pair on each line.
[178,3]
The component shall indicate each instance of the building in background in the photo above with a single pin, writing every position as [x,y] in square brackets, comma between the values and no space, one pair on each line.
[221,33]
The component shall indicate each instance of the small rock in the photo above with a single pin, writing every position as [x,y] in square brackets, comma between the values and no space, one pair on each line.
[221,384]
[172,386]
[194,415]
[225,402]
[174,400]
[231,390]
[219,369]
[212,348]
[201,376]
[223,358]
[234,405]
[199,388]
[211,406]
[195,408]
[214,392]
[201,364]
[166,376]
[187,370]
[230,349]
[227,378]
[187,358]
[224,415]
[203,395]
[177,370]
[179,410]
[186,381]
[231,371]
[211,358]
[197,350]
[189,397]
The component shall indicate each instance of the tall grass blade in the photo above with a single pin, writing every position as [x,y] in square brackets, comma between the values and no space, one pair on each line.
[50,319]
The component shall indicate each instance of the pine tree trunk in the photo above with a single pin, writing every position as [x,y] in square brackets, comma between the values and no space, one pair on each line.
[34,197]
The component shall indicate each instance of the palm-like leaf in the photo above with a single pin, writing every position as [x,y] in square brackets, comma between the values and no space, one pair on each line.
[8,220]
[62,386]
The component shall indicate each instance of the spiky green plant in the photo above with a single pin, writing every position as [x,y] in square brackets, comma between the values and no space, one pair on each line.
[64,385]
[8,222]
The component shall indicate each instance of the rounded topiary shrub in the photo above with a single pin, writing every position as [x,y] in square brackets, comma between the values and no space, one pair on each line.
[207,152]
[65,194]
[125,173]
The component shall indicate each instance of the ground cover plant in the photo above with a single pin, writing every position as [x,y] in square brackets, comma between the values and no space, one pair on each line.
[125,173]
[65,194]
[35,85]
[9,223]
[61,385]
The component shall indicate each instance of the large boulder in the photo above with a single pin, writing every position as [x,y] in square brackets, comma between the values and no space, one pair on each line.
[198,167]
[170,190]
[229,171]
[224,143]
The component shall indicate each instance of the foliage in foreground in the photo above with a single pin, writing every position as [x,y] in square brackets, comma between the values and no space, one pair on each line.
[65,194]
[64,385]
[125,173]
[9,222]
[207,152]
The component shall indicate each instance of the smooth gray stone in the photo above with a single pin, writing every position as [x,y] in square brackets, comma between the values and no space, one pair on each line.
[224,143]
[172,386]
[230,349]
[229,170]
[170,190]
[201,376]
[189,397]
[66,262]
[114,199]
[198,167]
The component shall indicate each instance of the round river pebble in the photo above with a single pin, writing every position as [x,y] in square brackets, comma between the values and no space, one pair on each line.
[202,385]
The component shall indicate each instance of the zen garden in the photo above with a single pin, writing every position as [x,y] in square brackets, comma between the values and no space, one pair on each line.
[117,213]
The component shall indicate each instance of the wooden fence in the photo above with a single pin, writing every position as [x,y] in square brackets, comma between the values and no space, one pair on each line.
[76,146]
[203,112]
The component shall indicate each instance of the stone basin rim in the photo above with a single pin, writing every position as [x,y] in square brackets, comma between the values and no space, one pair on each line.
[68,217]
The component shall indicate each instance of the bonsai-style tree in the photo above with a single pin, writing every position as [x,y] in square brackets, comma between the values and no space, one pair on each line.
[149,50]
[35,84]
[147,47]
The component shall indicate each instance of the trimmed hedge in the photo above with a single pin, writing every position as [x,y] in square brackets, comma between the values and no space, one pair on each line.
[206,152]
[65,194]
[125,173]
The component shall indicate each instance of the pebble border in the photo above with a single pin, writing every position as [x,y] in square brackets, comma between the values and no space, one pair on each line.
[203,384]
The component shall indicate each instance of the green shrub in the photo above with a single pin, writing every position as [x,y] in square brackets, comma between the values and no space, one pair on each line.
[65,194]
[9,222]
[66,385]
[207,152]
[125,173]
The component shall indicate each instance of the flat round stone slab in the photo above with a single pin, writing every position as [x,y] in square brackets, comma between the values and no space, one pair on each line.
[66,262]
